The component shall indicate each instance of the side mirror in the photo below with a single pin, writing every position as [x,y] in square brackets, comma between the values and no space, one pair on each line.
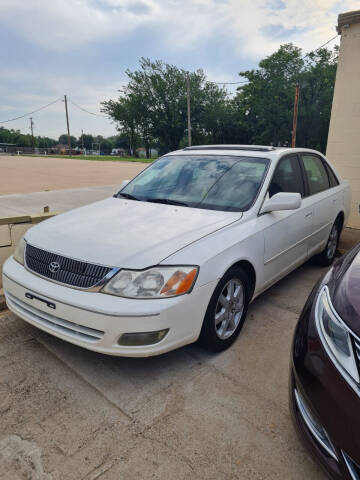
[124,183]
[282,201]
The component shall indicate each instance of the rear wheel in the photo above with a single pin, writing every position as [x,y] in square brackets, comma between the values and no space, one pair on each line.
[226,311]
[326,257]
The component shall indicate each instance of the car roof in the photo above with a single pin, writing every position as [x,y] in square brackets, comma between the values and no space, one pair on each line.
[267,151]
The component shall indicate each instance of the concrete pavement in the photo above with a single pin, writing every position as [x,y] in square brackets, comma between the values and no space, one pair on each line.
[57,200]
[70,414]
[37,174]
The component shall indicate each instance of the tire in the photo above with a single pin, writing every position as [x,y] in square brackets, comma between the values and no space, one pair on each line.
[327,256]
[229,310]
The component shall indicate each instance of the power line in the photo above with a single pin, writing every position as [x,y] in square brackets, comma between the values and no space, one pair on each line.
[313,51]
[331,39]
[87,111]
[30,113]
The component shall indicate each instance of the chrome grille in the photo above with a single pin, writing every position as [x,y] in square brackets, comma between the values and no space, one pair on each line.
[70,272]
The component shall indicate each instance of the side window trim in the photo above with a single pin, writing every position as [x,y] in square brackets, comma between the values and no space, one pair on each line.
[326,168]
[330,170]
[302,172]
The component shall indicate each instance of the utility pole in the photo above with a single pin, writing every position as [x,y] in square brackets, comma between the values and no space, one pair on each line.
[67,123]
[188,109]
[82,140]
[296,104]
[32,131]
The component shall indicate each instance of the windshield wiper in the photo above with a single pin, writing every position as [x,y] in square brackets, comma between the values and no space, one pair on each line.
[167,201]
[126,195]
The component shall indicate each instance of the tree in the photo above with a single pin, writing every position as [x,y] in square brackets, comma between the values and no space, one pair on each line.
[122,112]
[152,108]
[87,140]
[317,83]
[265,104]
[266,100]
[63,139]
[24,140]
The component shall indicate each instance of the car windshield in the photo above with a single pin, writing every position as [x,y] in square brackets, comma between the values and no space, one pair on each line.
[229,183]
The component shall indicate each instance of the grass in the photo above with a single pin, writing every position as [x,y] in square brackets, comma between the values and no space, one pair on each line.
[99,158]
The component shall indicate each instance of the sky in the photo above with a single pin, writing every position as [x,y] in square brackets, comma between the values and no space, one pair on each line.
[82,48]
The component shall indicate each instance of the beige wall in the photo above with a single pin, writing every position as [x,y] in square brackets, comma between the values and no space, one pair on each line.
[343,148]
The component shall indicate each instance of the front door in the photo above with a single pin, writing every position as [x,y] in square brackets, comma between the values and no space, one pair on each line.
[286,233]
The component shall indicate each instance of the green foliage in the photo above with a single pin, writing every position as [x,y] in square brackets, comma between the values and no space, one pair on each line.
[63,140]
[267,100]
[152,109]
[24,140]
[96,158]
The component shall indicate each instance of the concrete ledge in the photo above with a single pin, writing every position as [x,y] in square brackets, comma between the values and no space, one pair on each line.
[17,219]
[36,218]
[348,18]
[12,228]
[42,216]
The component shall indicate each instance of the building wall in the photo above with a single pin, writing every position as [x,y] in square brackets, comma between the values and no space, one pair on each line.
[343,148]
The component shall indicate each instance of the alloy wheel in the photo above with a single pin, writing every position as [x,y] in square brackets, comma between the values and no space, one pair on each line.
[229,308]
[332,242]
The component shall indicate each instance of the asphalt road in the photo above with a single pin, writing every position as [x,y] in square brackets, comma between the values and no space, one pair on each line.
[66,413]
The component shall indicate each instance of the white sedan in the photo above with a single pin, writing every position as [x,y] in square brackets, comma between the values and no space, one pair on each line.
[178,254]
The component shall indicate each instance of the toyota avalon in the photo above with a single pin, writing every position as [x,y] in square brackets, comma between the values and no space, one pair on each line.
[180,251]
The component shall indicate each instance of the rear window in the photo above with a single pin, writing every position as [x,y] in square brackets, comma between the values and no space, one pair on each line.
[317,176]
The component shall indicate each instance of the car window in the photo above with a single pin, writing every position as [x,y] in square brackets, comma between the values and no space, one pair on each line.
[287,177]
[203,181]
[317,177]
[237,188]
[333,180]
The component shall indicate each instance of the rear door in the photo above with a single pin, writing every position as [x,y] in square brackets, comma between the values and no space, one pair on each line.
[324,191]
[286,233]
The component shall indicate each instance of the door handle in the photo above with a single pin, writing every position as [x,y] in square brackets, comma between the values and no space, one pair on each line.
[308,215]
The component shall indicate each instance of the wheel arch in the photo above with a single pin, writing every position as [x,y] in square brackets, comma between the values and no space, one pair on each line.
[249,269]
[341,218]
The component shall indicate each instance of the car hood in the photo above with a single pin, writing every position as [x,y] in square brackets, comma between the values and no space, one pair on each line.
[126,233]
[344,287]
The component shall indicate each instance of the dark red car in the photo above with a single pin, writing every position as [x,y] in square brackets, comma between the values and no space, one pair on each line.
[325,370]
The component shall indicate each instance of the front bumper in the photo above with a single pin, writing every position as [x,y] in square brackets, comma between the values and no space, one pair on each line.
[96,321]
[331,402]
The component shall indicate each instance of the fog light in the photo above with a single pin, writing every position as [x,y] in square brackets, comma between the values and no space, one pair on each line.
[142,338]
[315,428]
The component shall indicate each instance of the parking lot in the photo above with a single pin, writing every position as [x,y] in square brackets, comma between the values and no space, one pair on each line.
[67,413]
[70,414]
[38,174]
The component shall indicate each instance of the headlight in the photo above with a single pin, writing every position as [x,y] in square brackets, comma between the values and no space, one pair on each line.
[156,282]
[19,251]
[335,336]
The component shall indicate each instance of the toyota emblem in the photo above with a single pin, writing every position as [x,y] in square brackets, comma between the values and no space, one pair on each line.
[54,267]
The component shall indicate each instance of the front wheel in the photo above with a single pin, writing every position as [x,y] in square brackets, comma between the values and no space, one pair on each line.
[326,257]
[226,311]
